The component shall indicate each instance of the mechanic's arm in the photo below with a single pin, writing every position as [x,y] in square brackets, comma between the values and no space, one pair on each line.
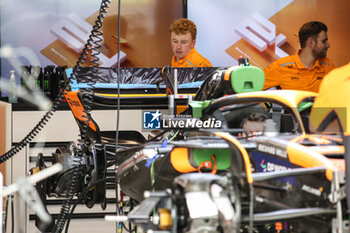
[272,75]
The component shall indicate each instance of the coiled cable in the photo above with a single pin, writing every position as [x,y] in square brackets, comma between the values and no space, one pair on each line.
[67,203]
[80,197]
[39,126]
[93,44]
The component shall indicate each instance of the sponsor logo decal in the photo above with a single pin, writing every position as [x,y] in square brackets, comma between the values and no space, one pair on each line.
[268,163]
[73,102]
[272,150]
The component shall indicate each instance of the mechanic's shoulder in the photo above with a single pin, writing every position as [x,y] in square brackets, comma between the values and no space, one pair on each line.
[200,60]
[280,62]
[283,60]
[325,61]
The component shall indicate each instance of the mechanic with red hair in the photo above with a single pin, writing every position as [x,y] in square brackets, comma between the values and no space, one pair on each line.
[183,39]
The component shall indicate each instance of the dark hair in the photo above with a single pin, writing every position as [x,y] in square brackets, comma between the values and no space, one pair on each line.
[183,26]
[310,29]
[259,117]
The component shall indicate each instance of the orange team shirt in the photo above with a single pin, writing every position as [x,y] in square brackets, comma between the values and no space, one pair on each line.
[289,73]
[193,59]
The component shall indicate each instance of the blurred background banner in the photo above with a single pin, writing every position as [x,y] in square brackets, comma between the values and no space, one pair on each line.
[225,29]
[221,24]
[42,25]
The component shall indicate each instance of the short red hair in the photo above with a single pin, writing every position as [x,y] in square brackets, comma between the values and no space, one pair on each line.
[182,26]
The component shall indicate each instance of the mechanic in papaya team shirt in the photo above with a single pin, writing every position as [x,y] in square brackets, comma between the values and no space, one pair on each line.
[183,39]
[306,69]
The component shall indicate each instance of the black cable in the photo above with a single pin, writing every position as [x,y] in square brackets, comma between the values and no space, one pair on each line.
[131,208]
[6,212]
[38,127]
[118,81]
[118,113]
[79,199]
[93,44]
[157,136]
[12,215]
[67,203]
[129,229]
